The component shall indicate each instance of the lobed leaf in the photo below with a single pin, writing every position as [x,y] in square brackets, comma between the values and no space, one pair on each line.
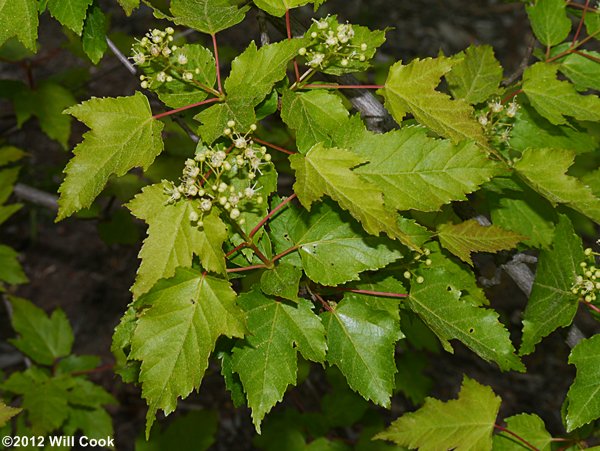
[549,21]
[123,135]
[438,303]
[477,76]
[255,71]
[463,424]
[10,268]
[470,236]
[328,171]
[70,13]
[44,339]
[177,332]
[332,248]
[267,362]
[19,19]
[315,116]
[93,38]
[552,304]
[545,170]
[555,99]
[173,239]
[583,402]
[7,412]
[360,340]
[411,89]
[208,16]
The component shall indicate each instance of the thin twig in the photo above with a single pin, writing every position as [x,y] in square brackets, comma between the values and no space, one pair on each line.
[113,48]
[217,65]
[270,215]
[524,62]
[580,26]
[273,146]
[36,196]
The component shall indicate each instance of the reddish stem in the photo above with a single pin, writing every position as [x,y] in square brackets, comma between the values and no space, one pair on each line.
[592,307]
[217,66]
[588,56]
[260,255]
[344,86]
[284,253]
[375,293]
[510,96]
[573,47]
[235,249]
[246,268]
[288,28]
[577,5]
[270,215]
[579,28]
[325,305]
[187,107]
[273,146]
[518,437]
[108,366]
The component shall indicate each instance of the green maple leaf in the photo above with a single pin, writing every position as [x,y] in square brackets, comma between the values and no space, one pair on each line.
[214,119]
[583,402]
[555,99]
[208,16]
[421,173]
[179,92]
[255,71]
[439,304]
[173,239]
[549,21]
[279,7]
[267,362]
[283,281]
[123,135]
[93,38]
[581,70]
[361,339]
[315,116]
[459,276]
[177,332]
[411,89]
[545,170]
[328,171]
[528,426]
[532,130]
[333,247]
[46,102]
[463,424]
[552,304]
[42,338]
[70,13]
[20,19]
[7,412]
[477,76]
[470,236]
[530,216]
[93,423]
[44,398]
[10,268]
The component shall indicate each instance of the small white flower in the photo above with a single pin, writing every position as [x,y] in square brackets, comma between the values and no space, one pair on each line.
[317,60]
[240,142]
[205,205]
[483,120]
[496,107]
[512,109]
[161,76]
[235,213]
[188,76]
[363,47]
[182,59]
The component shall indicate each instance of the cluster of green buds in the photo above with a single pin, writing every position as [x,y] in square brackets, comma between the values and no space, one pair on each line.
[587,283]
[497,119]
[418,258]
[332,43]
[161,60]
[222,176]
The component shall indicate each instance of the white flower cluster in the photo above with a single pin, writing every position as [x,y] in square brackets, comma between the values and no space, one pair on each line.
[222,176]
[498,118]
[587,284]
[155,53]
[332,43]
